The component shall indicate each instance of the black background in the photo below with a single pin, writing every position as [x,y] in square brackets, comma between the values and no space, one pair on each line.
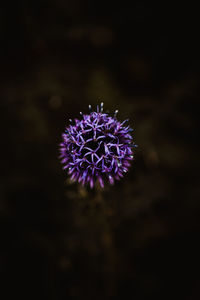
[139,238]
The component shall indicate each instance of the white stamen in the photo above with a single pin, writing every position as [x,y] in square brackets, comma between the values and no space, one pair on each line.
[90,107]
[101,106]
[116,112]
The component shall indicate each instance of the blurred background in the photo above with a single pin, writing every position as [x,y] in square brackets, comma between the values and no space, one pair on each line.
[138,239]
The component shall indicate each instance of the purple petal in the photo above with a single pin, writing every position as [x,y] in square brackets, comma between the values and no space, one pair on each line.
[111,180]
[101,182]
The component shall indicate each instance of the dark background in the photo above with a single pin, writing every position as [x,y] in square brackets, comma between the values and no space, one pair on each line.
[138,239]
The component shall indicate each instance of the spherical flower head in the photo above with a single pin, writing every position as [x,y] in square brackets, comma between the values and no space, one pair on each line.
[97,148]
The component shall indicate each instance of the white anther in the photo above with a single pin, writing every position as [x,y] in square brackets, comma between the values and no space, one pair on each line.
[116,112]
[90,107]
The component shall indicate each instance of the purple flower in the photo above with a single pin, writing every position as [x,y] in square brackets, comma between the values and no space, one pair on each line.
[97,148]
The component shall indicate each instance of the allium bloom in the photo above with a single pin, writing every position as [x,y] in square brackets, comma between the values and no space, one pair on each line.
[97,148]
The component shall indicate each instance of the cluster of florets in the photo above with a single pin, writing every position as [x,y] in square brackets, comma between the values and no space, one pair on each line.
[97,148]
